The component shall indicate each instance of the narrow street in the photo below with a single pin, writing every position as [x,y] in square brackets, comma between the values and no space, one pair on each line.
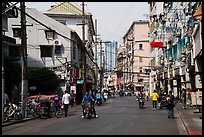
[120,116]
[54,53]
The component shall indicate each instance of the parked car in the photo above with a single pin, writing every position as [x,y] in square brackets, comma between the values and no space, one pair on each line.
[127,92]
[136,93]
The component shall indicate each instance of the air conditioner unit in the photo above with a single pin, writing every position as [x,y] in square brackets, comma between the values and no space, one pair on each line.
[57,42]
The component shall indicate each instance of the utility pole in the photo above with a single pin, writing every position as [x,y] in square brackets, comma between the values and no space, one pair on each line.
[2,95]
[83,50]
[132,60]
[24,85]
[101,70]
[96,76]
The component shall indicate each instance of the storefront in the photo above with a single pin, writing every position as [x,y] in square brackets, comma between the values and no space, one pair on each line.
[170,83]
[166,82]
[177,86]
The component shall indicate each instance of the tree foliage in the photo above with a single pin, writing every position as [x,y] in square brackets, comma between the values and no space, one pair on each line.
[44,79]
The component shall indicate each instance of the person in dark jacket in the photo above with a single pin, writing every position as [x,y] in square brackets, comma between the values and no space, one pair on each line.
[183,98]
[170,105]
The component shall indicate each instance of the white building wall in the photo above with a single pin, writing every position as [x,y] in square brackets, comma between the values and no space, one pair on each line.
[36,37]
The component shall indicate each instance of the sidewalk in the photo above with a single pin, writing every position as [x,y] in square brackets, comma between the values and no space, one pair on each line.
[191,119]
[71,111]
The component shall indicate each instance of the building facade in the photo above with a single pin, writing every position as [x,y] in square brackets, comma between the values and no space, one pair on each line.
[137,53]
[179,56]
[121,55]
[69,14]
[49,44]
[8,43]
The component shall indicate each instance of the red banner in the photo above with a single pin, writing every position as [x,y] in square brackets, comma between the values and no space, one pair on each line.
[157,44]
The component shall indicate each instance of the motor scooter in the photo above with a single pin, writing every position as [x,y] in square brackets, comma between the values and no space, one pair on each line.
[141,102]
[163,102]
[88,110]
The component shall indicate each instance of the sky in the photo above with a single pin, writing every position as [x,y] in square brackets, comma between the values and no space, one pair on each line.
[113,18]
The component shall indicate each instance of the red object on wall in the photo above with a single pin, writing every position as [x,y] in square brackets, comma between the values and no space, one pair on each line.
[157,44]
[118,81]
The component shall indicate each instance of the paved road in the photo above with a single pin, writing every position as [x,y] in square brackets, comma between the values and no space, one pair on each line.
[121,116]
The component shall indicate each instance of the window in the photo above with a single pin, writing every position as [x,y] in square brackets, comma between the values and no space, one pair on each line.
[16,32]
[63,22]
[140,59]
[140,80]
[49,34]
[46,51]
[74,51]
[57,49]
[140,46]
[140,69]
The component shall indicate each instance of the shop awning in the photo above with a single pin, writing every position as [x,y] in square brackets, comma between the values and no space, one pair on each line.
[8,39]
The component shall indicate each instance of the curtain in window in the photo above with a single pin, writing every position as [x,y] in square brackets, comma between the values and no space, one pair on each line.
[182,41]
[191,21]
[175,51]
[169,52]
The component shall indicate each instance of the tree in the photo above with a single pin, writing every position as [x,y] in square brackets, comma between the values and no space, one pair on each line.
[44,79]
[12,76]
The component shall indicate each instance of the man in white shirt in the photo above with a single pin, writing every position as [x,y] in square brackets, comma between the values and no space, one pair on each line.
[66,98]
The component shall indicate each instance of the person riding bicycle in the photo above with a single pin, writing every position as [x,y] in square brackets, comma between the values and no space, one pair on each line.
[88,98]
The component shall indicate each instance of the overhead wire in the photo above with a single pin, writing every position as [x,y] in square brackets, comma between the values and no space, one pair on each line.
[83,48]
[123,20]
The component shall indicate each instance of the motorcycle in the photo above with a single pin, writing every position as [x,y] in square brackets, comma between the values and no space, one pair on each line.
[141,102]
[45,109]
[163,102]
[88,110]
[12,111]
[33,108]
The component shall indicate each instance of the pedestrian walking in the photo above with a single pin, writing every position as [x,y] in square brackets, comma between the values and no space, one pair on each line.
[170,105]
[72,98]
[56,100]
[183,98]
[147,95]
[155,97]
[5,100]
[66,98]
[105,96]
[160,99]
